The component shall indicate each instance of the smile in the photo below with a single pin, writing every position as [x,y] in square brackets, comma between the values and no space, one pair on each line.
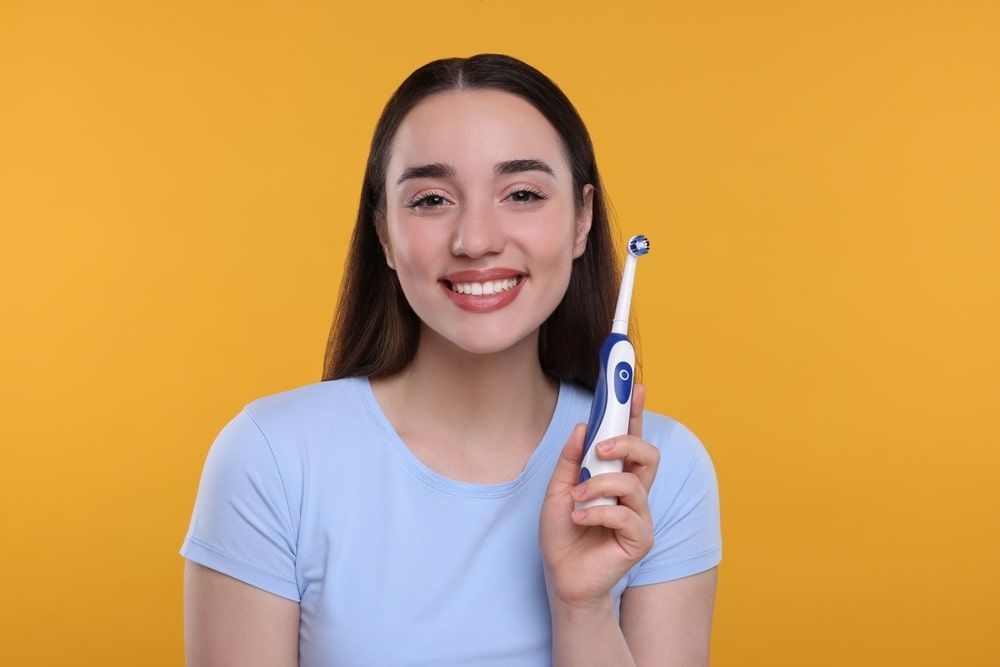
[487,294]
[486,288]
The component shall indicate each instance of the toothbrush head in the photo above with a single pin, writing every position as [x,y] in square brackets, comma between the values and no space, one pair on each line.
[638,246]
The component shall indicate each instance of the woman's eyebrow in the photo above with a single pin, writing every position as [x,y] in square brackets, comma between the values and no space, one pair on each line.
[443,170]
[435,170]
[515,166]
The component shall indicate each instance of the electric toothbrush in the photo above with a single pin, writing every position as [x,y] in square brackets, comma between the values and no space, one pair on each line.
[609,413]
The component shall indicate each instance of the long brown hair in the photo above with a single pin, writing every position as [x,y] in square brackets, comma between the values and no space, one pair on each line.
[375,332]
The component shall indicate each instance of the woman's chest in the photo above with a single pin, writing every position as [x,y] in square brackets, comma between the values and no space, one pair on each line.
[412,578]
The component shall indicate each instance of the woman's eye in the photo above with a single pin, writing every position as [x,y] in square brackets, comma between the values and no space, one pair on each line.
[427,201]
[526,196]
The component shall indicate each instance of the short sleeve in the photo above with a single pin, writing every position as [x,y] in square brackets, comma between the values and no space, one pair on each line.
[684,503]
[241,525]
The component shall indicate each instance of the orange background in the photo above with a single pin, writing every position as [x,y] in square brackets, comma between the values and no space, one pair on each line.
[820,183]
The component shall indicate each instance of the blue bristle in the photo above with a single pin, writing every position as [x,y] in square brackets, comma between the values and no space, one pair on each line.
[638,245]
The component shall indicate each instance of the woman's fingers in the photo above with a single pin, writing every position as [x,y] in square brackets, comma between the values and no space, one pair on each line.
[634,534]
[641,458]
[625,486]
[567,472]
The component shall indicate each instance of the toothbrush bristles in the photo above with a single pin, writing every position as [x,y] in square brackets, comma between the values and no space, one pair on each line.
[638,245]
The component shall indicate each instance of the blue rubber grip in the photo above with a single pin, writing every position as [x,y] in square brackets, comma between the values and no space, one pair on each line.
[600,404]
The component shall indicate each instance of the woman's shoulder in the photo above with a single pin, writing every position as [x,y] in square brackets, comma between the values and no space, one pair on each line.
[673,438]
[317,403]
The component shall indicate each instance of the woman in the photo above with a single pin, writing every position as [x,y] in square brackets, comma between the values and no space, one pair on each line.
[416,507]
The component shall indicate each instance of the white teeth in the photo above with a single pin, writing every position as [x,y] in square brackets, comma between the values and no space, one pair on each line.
[485,288]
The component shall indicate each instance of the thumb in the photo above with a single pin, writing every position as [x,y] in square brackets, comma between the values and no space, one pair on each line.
[567,472]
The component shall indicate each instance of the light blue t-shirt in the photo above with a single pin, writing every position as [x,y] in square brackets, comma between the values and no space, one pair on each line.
[312,495]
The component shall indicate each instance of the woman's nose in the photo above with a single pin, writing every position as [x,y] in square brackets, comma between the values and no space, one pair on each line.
[478,231]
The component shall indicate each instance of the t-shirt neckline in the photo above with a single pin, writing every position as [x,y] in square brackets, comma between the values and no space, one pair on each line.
[547,447]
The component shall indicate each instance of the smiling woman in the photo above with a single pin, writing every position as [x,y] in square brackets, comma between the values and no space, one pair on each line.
[494,202]
[415,506]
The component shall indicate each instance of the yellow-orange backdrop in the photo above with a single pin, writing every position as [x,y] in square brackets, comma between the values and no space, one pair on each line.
[820,182]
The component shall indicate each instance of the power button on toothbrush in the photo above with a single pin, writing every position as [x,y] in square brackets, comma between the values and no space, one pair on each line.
[623,381]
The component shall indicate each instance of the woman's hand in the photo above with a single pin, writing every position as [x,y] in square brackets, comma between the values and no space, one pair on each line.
[586,552]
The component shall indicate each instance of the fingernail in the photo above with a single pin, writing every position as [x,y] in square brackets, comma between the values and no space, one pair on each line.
[579,514]
[578,490]
[606,446]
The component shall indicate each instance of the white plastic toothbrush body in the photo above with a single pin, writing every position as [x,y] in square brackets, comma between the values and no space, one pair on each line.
[609,413]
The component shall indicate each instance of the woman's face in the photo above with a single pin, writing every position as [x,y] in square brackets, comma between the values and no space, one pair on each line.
[481,225]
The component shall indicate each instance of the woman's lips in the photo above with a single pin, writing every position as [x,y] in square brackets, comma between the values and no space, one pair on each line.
[482,303]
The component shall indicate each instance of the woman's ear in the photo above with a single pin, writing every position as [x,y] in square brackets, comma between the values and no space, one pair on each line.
[584,218]
[383,239]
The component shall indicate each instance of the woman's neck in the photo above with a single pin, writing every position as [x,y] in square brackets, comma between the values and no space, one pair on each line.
[470,401]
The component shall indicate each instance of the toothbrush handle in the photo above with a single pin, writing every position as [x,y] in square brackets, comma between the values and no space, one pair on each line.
[609,413]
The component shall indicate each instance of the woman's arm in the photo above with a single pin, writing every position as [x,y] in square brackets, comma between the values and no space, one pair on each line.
[670,623]
[228,622]
[584,556]
[667,624]
[588,636]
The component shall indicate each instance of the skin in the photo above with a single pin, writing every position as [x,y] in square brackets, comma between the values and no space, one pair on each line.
[228,623]
[475,218]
